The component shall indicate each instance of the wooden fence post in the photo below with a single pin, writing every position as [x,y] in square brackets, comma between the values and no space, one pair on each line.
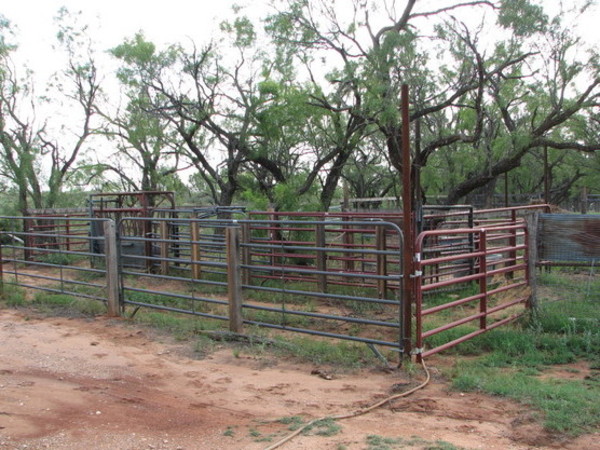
[147,236]
[164,247]
[29,240]
[380,245]
[112,269]
[234,279]
[348,243]
[321,257]
[246,256]
[68,232]
[532,256]
[195,252]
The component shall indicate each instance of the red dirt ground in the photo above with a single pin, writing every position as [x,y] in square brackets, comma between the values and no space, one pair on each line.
[69,383]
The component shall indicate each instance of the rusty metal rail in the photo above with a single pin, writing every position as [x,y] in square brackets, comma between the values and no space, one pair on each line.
[494,289]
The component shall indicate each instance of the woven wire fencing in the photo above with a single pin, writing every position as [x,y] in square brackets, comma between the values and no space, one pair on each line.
[569,284]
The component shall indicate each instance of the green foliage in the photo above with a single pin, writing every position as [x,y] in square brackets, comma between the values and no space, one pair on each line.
[557,399]
[59,259]
[523,17]
[243,28]
[294,422]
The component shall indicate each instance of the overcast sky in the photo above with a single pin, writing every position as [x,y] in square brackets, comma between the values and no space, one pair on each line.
[167,21]
[111,21]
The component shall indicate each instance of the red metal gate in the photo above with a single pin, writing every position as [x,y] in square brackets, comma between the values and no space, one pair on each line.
[468,281]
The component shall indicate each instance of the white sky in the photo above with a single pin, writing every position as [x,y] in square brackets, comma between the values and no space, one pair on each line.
[111,21]
[163,22]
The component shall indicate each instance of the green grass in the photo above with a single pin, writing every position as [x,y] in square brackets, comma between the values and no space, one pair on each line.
[324,427]
[14,296]
[511,360]
[293,422]
[376,442]
[556,399]
[60,259]
[329,352]
[67,304]
[181,327]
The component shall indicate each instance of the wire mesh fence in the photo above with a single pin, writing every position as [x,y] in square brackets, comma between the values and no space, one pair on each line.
[569,284]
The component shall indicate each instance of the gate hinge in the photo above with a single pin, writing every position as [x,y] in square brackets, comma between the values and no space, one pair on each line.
[417,351]
[417,273]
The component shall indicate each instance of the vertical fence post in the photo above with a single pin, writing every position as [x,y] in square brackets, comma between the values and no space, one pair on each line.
[164,247]
[234,282]
[246,257]
[380,245]
[195,252]
[274,235]
[68,232]
[531,256]
[512,241]
[147,235]
[407,227]
[321,256]
[29,240]
[112,269]
[483,279]
[348,243]
[419,268]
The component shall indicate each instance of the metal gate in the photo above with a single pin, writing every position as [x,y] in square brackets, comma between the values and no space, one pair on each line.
[331,277]
[468,281]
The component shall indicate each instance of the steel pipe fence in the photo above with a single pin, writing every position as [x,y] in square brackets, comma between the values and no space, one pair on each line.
[47,257]
[300,276]
[332,277]
[179,265]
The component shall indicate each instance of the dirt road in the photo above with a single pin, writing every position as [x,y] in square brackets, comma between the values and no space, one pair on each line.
[71,383]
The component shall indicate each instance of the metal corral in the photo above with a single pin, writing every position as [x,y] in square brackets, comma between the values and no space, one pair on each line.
[328,274]
[299,276]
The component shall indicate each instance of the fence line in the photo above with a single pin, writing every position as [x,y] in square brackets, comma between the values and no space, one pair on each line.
[330,275]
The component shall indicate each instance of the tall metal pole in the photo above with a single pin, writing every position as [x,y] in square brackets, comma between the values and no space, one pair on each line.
[506,189]
[546,177]
[418,207]
[408,289]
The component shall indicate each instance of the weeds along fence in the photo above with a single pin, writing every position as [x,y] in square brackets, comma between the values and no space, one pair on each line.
[336,275]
